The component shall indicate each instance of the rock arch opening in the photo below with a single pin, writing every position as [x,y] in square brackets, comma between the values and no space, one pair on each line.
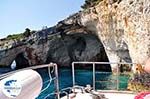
[78,47]
[21,61]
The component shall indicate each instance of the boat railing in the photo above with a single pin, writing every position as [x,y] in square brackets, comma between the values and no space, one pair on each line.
[56,80]
[94,72]
[57,91]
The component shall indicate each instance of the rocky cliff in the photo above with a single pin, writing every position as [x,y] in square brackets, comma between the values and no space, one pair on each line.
[64,43]
[119,28]
[123,26]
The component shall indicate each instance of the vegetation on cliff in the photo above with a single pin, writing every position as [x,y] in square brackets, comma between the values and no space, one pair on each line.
[15,36]
[27,33]
[92,3]
[139,82]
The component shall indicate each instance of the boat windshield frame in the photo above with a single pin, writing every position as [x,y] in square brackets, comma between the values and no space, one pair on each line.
[94,71]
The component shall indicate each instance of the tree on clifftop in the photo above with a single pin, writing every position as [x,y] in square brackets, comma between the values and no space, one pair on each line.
[27,32]
[90,3]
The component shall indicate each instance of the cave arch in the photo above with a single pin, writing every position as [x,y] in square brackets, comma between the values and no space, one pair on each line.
[21,61]
[78,47]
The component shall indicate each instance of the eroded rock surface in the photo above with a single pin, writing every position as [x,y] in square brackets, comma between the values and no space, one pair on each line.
[64,43]
[122,27]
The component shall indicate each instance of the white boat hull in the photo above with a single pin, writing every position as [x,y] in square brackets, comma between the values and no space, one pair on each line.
[27,85]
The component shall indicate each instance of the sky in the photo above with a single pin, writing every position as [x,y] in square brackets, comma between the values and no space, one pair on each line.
[16,15]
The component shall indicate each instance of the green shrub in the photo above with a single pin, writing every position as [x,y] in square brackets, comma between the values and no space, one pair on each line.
[27,33]
[90,3]
[15,36]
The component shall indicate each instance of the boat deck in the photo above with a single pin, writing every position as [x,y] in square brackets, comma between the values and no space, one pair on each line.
[118,95]
[106,94]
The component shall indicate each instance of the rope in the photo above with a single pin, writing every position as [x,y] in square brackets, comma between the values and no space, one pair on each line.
[49,95]
[50,79]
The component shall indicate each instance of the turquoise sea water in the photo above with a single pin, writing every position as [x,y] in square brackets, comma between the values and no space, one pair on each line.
[83,77]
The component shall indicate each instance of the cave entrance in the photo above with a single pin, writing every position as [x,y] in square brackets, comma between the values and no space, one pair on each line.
[21,61]
[88,47]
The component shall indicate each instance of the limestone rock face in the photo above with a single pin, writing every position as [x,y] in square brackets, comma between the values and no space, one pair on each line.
[123,27]
[147,66]
[64,43]
[7,56]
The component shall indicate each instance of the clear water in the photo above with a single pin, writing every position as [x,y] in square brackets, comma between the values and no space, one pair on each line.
[83,77]
[5,70]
